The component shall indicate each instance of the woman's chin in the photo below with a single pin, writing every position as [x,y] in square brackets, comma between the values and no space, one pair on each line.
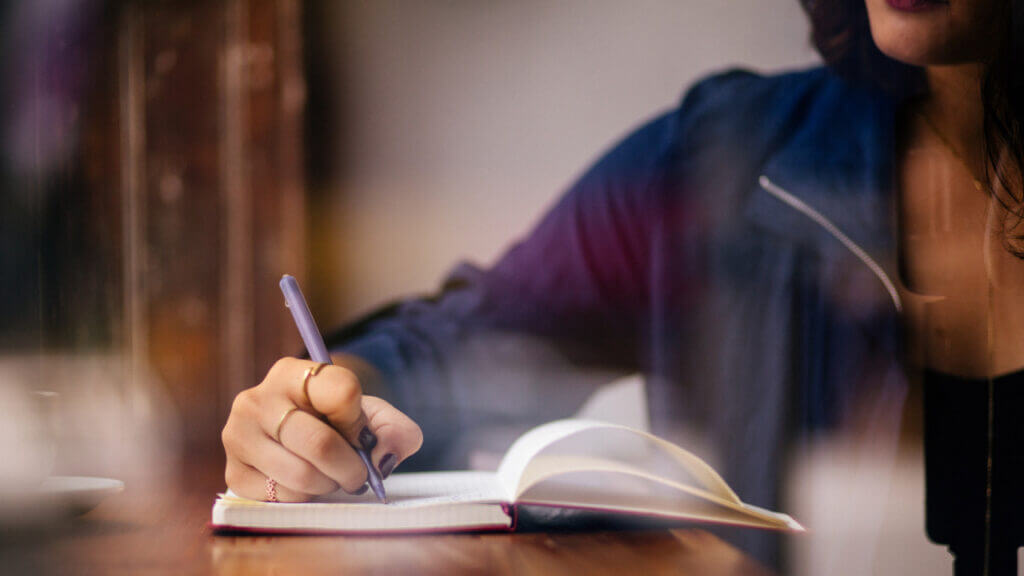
[931,32]
[920,55]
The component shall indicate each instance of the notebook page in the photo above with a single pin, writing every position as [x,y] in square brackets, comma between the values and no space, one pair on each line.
[522,453]
[529,445]
[611,491]
[427,488]
[418,502]
[410,490]
[597,483]
[544,467]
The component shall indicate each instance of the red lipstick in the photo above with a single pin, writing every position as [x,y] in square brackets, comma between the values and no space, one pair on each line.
[916,5]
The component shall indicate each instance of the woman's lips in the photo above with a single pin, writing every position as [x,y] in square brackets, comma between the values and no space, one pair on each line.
[916,5]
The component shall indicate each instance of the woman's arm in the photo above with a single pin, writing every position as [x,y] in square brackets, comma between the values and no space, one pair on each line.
[508,344]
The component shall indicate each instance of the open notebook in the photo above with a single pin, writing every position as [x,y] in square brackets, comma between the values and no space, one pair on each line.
[577,464]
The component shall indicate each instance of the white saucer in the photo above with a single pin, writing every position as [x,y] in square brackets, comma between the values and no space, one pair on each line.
[54,498]
[77,494]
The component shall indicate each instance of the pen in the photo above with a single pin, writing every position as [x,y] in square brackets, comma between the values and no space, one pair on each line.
[314,342]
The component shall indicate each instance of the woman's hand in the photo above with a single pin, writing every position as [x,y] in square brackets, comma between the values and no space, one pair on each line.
[309,451]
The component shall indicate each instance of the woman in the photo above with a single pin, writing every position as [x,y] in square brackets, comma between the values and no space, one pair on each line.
[758,252]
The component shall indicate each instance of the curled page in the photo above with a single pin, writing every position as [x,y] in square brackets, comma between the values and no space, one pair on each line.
[513,476]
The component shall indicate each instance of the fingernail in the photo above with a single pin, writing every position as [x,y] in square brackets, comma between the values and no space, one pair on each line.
[387,464]
[367,439]
[362,490]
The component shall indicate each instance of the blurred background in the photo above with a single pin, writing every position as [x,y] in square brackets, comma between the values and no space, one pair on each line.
[162,163]
[165,162]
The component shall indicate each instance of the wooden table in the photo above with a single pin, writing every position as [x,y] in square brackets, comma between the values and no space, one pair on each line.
[146,533]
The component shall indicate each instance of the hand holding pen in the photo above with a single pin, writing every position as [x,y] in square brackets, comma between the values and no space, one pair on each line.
[307,429]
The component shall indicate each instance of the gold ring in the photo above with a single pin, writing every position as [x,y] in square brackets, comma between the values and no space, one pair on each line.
[310,372]
[280,423]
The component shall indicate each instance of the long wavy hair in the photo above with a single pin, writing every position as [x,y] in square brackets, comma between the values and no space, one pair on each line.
[842,36]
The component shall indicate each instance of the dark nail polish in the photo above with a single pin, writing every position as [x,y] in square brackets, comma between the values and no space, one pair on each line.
[362,490]
[387,464]
[367,439]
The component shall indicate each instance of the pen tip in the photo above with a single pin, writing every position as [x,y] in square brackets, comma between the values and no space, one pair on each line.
[377,486]
[373,477]
[378,490]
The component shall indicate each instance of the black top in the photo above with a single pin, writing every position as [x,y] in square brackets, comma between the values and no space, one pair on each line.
[956,414]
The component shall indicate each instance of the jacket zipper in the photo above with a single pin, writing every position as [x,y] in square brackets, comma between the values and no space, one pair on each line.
[802,207]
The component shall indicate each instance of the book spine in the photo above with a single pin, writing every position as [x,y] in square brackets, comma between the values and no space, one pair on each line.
[513,514]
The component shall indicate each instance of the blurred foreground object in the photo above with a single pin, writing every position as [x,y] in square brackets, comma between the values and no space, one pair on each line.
[151,162]
[211,98]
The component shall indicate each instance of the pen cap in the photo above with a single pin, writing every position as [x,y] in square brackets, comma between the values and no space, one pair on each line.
[296,302]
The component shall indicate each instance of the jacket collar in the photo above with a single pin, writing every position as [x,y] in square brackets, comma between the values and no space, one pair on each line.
[839,162]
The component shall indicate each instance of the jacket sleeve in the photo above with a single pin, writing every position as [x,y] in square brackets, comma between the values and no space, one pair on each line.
[525,340]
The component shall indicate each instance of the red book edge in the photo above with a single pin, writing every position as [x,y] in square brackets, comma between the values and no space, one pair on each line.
[227,529]
[509,509]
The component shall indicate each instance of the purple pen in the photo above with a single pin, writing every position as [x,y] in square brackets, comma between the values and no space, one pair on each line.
[314,342]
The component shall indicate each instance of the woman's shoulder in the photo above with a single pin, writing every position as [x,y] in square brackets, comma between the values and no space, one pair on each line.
[735,99]
[738,118]
[745,85]
[749,103]
[734,118]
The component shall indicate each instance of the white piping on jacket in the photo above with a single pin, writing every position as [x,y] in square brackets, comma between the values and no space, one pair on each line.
[802,207]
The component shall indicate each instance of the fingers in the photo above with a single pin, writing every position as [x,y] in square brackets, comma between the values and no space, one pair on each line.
[250,483]
[398,437]
[290,470]
[334,392]
[276,430]
[320,445]
[247,442]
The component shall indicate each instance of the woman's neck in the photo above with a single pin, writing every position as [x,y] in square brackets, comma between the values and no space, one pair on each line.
[954,107]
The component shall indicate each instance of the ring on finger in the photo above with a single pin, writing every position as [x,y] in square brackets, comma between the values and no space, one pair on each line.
[280,423]
[307,376]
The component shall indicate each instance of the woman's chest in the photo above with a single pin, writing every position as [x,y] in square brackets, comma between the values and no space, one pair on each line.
[964,291]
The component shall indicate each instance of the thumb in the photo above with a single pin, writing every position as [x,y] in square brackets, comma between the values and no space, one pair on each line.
[398,437]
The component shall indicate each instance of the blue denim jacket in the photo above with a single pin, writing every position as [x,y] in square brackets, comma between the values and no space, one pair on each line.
[739,250]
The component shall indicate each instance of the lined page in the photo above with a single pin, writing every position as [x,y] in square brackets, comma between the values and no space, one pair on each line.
[427,488]
[416,502]
[411,490]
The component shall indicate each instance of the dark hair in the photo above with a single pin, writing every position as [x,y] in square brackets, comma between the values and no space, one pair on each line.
[842,35]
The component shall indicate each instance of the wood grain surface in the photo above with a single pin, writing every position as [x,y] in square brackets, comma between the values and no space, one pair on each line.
[142,531]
